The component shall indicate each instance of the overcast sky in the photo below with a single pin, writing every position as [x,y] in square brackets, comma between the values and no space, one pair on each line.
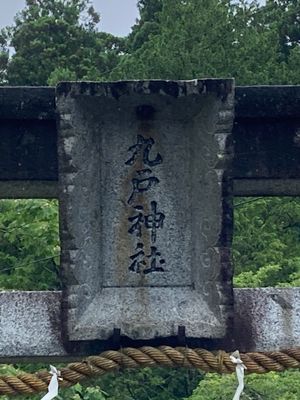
[117,16]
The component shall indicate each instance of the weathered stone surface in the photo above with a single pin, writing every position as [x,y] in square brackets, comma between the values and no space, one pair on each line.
[145,207]
[266,137]
[266,187]
[278,102]
[273,152]
[30,325]
[28,189]
[27,103]
[265,319]
[28,150]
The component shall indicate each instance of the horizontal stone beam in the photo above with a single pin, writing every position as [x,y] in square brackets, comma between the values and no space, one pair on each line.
[252,102]
[263,102]
[263,187]
[266,139]
[241,187]
[28,190]
[27,103]
[30,326]
[266,319]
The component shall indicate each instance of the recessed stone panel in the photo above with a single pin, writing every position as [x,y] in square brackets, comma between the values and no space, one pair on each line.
[145,207]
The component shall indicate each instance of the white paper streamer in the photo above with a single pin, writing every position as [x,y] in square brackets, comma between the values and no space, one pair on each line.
[53,385]
[239,369]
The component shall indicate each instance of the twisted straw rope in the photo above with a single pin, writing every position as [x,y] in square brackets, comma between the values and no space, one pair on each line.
[109,361]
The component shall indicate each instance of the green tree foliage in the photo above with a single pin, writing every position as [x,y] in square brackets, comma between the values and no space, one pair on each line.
[171,51]
[151,383]
[266,246]
[29,251]
[201,38]
[58,39]
[173,39]
[143,384]
[271,386]
[4,56]
[285,13]
[147,25]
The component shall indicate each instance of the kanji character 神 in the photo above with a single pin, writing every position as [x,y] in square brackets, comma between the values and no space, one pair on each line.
[152,221]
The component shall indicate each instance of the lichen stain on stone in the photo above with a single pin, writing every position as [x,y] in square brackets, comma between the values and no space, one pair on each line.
[123,239]
[126,248]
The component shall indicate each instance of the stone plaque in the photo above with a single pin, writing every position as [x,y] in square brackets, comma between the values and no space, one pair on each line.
[145,207]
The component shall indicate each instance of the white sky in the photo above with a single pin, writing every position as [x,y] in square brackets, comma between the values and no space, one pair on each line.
[117,16]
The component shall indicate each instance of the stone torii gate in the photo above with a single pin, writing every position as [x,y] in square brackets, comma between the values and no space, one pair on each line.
[40,130]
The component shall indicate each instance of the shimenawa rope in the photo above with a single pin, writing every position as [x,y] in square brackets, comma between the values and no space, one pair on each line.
[166,356]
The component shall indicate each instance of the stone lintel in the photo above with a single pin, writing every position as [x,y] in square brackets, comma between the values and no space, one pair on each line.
[27,102]
[241,187]
[266,135]
[30,325]
[266,187]
[252,102]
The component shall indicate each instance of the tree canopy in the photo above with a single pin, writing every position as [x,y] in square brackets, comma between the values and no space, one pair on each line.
[55,40]
[173,39]
[214,38]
